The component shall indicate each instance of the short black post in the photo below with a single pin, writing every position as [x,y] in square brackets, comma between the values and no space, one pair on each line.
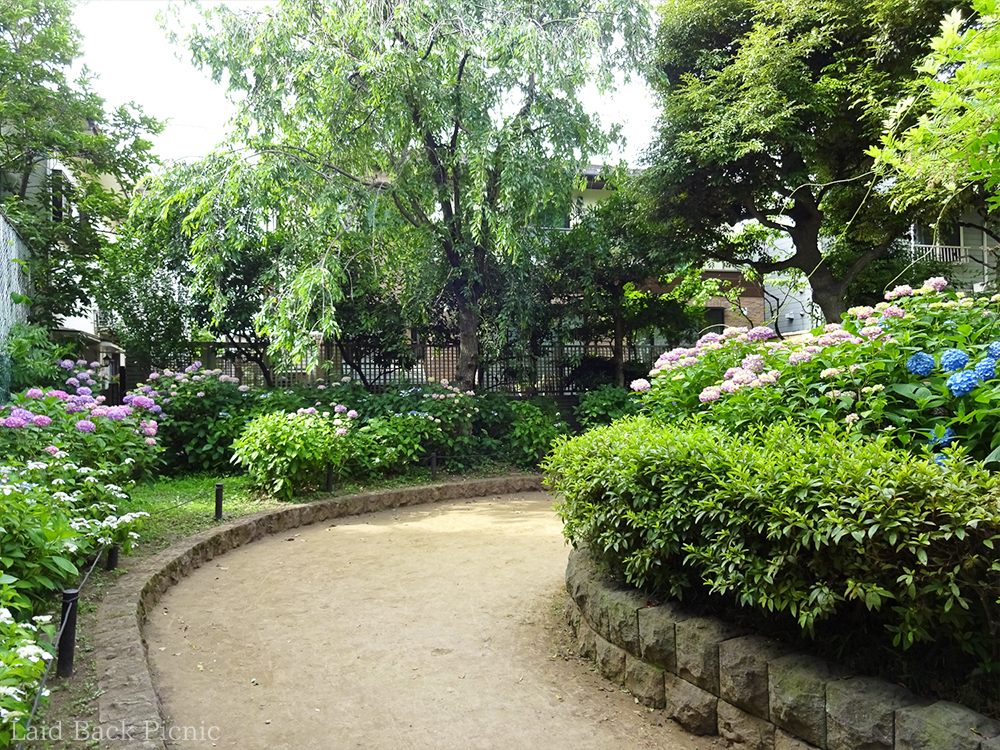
[434,466]
[329,477]
[67,641]
[112,561]
[218,501]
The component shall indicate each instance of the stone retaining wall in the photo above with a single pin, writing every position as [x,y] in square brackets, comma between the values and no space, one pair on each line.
[129,711]
[713,678]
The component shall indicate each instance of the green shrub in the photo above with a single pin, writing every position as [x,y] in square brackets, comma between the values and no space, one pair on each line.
[286,454]
[531,433]
[787,520]
[33,357]
[25,649]
[605,405]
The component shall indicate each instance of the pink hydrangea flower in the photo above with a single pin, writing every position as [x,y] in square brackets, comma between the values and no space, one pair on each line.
[641,385]
[711,393]
[34,393]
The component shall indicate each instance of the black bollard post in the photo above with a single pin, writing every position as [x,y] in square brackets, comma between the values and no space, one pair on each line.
[112,561]
[329,477]
[218,501]
[67,641]
[434,466]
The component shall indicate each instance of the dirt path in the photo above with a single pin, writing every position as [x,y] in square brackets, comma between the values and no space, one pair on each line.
[436,627]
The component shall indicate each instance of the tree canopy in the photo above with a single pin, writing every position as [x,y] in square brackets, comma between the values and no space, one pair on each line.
[461,119]
[942,142]
[768,110]
[67,165]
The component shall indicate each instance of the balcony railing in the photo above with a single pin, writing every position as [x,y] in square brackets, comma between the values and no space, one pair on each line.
[941,253]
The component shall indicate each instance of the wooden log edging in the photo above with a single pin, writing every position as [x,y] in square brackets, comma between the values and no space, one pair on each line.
[758,694]
[130,715]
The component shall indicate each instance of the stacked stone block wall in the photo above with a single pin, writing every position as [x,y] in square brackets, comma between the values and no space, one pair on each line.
[757,694]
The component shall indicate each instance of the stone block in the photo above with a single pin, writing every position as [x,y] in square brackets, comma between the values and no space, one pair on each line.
[586,641]
[656,634]
[619,608]
[610,660]
[690,706]
[743,731]
[743,672]
[644,681]
[785,741]
[697,642]
[860,713]
[797,695]
[583,583]
[943,725]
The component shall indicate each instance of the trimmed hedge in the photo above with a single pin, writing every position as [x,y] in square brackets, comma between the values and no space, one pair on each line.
[786,519]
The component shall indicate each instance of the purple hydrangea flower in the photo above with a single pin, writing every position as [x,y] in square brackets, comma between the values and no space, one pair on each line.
[40,420]
[85,425]
[22,414]
[352,414]
[340,408]
[142,402]
[73,382]
[84,390]
[14,422]
[34,393]
[51,449]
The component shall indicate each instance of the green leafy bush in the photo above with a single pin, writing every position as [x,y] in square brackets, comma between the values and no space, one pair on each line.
[286,454]
[789,520]
[25,649]
[33,356]
[605,405]
[532,433]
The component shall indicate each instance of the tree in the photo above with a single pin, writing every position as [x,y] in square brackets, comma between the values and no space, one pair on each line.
[66,164]
[768,111]
[463,117]
[942,141]
[599,267]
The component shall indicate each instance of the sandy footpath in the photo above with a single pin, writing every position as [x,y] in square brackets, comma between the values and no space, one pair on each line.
[435,626]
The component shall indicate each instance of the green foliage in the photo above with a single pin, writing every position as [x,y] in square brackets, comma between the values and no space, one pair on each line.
[288,453]
[451,159]
[787,520]
[49,118]
[768,111]
[25,649]
[605,405]
[33,356]
[532,433]
[942,139]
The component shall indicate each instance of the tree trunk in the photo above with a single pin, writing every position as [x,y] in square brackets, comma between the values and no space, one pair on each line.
[619,351]
[468,344]
[828,293]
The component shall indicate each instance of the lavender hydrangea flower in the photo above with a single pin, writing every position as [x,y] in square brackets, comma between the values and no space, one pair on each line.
[34,393]
[962,383]
[954,359]
[921,364]
[85,425]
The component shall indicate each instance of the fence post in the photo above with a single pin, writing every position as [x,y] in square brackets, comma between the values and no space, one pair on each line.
[67,641]
[218,501]
[329,477]
[434,466]
[112,561]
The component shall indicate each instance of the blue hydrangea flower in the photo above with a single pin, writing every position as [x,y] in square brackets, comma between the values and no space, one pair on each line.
[944,441]
[954,359]
[987,368]
[994,350]
[962,383]
[921,364]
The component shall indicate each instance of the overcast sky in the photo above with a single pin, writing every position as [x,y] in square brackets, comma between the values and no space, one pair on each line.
[125,47]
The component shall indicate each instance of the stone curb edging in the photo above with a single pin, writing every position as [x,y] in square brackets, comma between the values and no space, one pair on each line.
[758,694]
[130,717]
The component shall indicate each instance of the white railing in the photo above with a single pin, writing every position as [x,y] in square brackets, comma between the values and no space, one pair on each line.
[941,253]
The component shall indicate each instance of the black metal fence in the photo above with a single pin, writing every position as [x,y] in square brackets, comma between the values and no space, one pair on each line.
[558,369]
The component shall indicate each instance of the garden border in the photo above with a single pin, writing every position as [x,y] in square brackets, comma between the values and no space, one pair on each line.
[758,694]
[128,705]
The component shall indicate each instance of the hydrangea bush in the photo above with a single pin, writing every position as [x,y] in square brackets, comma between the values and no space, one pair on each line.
[912,367]
[25,651]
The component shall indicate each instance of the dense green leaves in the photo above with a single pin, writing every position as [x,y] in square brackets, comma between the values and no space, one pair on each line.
[788,520]
[463,118]
[66,164]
